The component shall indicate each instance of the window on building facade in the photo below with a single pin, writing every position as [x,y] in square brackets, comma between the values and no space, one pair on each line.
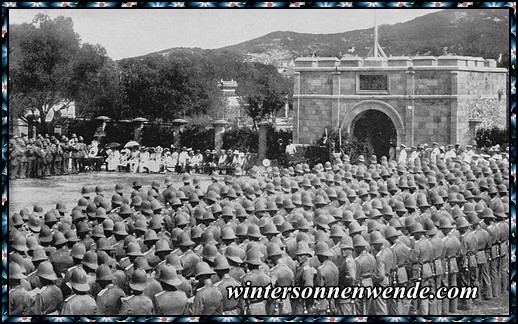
[371,82]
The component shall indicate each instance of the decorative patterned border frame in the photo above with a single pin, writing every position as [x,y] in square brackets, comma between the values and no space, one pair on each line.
[512,112]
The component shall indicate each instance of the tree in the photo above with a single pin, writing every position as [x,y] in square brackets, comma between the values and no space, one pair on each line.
[94,83]
[49,66]
[263,92]
[165,88]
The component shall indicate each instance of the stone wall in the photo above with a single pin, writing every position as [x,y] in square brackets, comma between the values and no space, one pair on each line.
[348,82]
[448,92]
[315,117]
[318,83]
[430,82]
[483,98]
[432,120]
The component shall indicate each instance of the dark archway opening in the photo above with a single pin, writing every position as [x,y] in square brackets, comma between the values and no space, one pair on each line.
[374,132]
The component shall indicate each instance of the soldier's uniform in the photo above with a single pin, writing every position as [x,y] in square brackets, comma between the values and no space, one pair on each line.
[451,269]
[483,246]
[437,273]
[381,277]
[503,226]
[493,259]
[61,260]
[58,159]
[47,300]
[79,305]
[14,159]
[185,286]
[468,263]
[236,273]
[23,161]
[365,263]
[153,287]
[189,261]
[327,276]
[109,300]
[31,160]
[281,276]
[304,277]
[400,279]
[139,304]
[208,300]
[230,306]
[170,303]
[347,278]
[20,301]
[257,278]
[34,280]
[421,257]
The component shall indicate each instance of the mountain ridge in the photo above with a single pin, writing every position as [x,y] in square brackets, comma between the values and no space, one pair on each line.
[474,32]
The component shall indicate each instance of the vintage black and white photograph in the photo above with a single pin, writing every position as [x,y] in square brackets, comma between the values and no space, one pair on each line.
[258,162]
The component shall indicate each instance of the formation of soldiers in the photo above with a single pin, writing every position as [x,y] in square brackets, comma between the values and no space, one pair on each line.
[46,156]
[173,248]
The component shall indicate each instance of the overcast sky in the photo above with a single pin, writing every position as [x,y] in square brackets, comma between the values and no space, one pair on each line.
[128,33]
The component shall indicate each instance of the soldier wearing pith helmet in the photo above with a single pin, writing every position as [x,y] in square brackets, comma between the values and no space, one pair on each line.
[451,268]
[109,297]
[327,276]
[20,300]
[421,257]
[48,300]
[171,301]
[382,276]
[80,303]
[347,275]
[304,277]
[400,275]
[365,265]
[208,299]
[137,302]
[222,268]
[255,278]
[281,276]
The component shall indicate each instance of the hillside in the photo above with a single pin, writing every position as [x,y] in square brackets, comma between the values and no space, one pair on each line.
[473,32]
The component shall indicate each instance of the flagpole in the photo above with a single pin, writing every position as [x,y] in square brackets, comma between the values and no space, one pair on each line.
[375,35]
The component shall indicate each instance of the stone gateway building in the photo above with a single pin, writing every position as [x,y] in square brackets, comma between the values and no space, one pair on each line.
[401,99]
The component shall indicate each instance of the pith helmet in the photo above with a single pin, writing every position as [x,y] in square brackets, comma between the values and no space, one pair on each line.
[203,268]
[169,276]
[46,271]
[138,280]
[79,280]
[321,248]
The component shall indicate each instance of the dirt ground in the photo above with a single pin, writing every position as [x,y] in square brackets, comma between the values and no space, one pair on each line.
[66,189]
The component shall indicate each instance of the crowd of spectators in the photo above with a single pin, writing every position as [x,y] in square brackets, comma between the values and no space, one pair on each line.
[174,160]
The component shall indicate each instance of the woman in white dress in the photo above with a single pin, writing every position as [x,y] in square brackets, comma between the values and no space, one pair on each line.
[144,160]
[134,160]
[113,159]
[124,160]
[153,164]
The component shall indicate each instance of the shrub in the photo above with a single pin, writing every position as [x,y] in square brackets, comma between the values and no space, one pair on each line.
[274,151]
[242,139]
[487,137]
[197,136]
[120,132]
[155,134]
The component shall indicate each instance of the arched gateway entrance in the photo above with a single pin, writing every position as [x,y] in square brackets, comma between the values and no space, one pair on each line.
[375,125]
[375,130]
